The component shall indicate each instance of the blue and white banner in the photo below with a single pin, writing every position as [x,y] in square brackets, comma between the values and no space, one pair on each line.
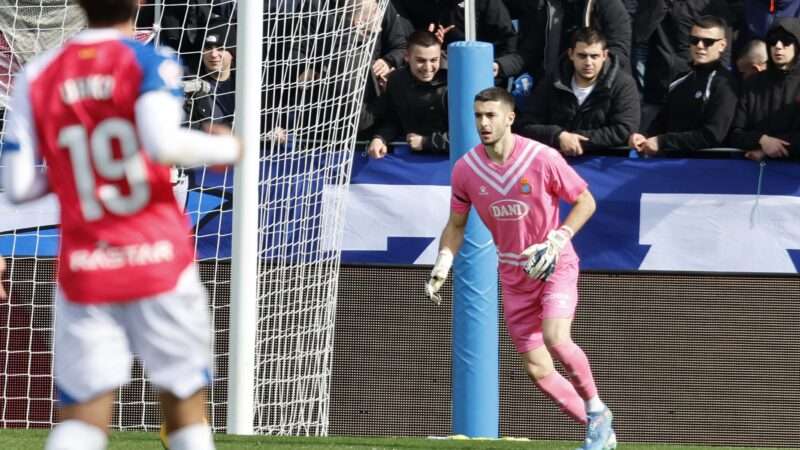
[652,214]
[692,215]
[726,215]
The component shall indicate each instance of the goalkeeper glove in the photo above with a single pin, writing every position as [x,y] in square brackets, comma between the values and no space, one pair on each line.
[543,257]
[438,275]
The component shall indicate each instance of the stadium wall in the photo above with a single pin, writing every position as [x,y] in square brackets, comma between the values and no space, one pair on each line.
[679,357]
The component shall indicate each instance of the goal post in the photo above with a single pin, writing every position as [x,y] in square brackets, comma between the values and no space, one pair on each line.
[271,261]
[244,264]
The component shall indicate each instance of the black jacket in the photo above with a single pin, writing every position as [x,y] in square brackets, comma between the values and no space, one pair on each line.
[493,25]
[546,26]
[393,39]
[699,110]
[770,103]
[664,27]
[607,117]
[391,47]
[410,106]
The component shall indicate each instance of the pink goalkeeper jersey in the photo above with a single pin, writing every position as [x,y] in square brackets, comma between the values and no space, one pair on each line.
[518,200]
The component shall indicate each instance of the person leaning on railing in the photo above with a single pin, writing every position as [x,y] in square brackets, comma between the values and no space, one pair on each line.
[415,103]
[590,104]
[701,103]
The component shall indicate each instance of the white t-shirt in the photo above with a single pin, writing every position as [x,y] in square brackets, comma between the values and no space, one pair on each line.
[581,92]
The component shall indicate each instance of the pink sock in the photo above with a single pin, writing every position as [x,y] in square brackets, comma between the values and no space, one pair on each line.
[577,365]
[563,393]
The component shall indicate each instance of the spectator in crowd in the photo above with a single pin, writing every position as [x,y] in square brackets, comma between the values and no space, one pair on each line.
[753,59]
[415,103]
[316,59]
[390,49]
[591,103]
[700,105]
[388,55]
[214,98]
[661,33]
[546,26]
[445,18]
[767,121]
[184,26]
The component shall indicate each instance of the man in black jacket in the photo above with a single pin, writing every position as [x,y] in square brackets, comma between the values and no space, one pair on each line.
[590,104]
[661,31]
[328,57]
[445,18]
[546,26]
[212,98]
[767,121]
[700,105]
[387,56]
[415,102]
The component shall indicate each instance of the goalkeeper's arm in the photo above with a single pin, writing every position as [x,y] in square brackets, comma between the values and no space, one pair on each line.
[581,211]
[452,238]
[543,256]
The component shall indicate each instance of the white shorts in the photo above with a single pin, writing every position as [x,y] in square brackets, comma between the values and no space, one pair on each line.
[169,333]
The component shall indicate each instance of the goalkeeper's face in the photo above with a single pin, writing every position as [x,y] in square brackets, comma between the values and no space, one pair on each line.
[493,120]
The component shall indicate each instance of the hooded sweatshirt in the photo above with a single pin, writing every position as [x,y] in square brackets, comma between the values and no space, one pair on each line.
[769,103]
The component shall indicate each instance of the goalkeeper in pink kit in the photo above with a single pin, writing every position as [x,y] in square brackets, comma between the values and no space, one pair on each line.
[103,112]
[515,185]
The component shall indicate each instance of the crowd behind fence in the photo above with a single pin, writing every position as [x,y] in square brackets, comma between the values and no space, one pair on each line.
[671,77]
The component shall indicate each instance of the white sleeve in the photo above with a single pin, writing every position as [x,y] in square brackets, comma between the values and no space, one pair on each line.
[23,171]
[158,118]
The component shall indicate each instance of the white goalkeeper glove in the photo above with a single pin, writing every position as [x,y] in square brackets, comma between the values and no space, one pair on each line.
[543,257]
[438,275]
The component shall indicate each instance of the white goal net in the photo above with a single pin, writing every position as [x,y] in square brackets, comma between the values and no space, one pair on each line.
[317,55]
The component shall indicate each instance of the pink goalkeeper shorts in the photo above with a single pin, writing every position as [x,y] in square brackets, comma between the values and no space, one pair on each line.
[526,305]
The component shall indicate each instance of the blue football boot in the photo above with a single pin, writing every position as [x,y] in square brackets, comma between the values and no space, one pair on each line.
[599,432]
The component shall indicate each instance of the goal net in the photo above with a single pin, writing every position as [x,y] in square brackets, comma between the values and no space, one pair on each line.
[317,55]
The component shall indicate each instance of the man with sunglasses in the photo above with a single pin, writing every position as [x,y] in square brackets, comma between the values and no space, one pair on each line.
[700,104]
[767,121]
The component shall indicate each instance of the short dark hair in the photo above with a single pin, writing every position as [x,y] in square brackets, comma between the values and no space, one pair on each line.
[109,12]
[588,36]
[422,38]
[708,22]
[495,94]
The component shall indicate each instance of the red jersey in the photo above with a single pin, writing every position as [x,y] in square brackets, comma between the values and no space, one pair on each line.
[123,236]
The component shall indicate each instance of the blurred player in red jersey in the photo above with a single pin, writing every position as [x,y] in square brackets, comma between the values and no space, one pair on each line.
[104,111]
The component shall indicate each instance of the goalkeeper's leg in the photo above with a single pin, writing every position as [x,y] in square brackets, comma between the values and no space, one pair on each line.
[539,366]
[559,299]
[523,316]
[599,432]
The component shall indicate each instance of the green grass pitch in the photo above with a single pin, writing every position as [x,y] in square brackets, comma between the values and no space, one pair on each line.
[34,439]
